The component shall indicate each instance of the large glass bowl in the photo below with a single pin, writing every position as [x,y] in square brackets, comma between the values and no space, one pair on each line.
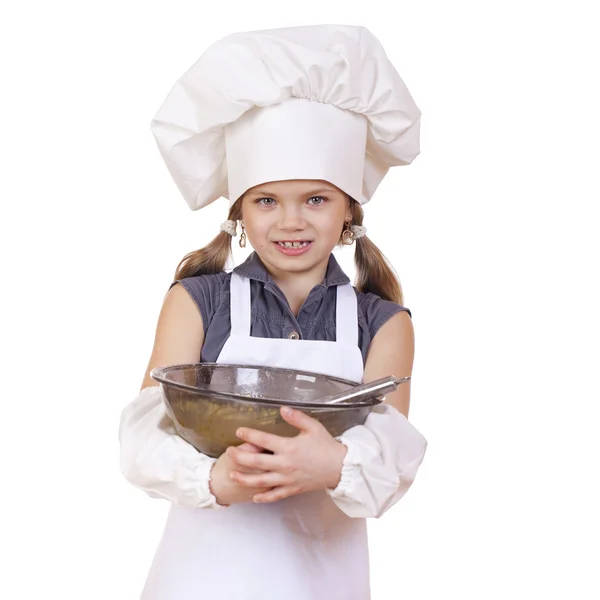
[208,402]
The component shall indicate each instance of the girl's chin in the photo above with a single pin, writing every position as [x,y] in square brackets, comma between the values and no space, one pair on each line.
[304,261]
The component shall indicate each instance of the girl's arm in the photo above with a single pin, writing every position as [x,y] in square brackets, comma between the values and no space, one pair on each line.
[392,352]
[385,453]
[179,333]
[153,457]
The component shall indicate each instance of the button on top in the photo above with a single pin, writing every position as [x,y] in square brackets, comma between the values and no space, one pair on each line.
[294,335]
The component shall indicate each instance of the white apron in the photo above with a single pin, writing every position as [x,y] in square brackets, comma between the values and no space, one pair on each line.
[300,548]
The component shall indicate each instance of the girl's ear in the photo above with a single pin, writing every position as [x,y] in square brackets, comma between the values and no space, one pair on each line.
[349,215]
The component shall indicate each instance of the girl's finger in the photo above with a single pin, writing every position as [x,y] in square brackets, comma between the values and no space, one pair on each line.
[254,460]
[261,439]
[279,493]
[262,480]
[299,419]
[249,448]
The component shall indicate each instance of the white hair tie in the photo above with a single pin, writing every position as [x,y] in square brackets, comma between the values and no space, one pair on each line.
[229,227]
[358,231]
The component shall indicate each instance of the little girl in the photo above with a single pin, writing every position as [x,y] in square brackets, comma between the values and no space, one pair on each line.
[296,127]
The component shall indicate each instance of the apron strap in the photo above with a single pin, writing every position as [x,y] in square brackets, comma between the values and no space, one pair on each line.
[240,301]
[346,310]
[346,327]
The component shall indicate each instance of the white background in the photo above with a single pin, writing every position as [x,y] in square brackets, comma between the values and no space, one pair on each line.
[492,231]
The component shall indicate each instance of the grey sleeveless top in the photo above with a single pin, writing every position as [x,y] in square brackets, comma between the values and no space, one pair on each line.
[271,314]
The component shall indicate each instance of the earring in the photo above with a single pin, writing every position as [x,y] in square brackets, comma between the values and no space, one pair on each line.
[243,237]
[347,235]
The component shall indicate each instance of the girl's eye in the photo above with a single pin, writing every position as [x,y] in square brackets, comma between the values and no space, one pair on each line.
[314,200]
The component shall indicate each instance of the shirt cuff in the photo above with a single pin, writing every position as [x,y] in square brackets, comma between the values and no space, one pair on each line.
[203,472]
[350,470]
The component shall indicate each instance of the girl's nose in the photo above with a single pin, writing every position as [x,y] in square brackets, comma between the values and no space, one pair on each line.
[291,219]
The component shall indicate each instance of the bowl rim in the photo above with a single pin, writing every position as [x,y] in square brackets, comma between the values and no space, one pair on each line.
[158,374]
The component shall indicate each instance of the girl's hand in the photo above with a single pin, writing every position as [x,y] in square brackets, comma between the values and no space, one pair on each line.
[224,488]
[310,461]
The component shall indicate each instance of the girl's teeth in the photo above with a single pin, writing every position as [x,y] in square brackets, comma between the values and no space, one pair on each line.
[292,244]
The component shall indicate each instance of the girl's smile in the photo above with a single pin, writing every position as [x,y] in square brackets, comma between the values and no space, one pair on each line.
[293,248]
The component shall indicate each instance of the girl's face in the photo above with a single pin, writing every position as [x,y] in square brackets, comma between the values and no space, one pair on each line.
[294,225]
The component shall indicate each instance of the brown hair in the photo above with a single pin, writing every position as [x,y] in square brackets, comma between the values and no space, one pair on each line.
[214,256]
[374,272]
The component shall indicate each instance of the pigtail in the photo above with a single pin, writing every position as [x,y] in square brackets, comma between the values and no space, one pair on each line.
[213,257]
[374,273]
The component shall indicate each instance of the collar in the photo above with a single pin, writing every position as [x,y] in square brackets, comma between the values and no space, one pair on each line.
[253,268]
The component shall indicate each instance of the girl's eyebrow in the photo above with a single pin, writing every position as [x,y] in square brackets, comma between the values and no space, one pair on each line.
[311,193]
[262,193]
[322,191]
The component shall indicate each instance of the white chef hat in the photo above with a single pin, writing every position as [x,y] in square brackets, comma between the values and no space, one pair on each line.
[312,102]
